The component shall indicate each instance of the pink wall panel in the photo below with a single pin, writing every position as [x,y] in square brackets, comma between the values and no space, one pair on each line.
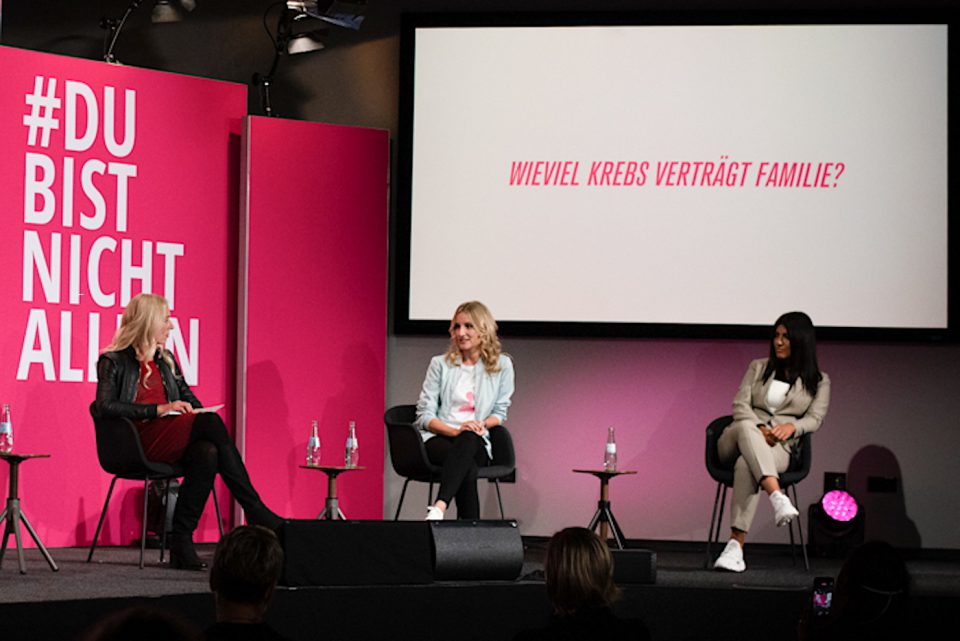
[94,157]
[313,309]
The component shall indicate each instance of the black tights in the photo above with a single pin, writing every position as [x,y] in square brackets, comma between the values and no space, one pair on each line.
[460,457]
[209,451]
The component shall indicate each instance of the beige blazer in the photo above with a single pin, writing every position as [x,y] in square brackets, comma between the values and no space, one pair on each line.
[806,412]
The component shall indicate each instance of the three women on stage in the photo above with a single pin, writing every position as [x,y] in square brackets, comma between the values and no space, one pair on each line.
[465,397]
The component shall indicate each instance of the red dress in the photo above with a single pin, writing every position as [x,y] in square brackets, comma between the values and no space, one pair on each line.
[164,439]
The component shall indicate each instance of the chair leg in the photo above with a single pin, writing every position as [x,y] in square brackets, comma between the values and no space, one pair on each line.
[403,493]
[163,526]
[714,522]
[793,545]
[216,505]
[143,528]
[499,499]
[103,514]
[803,547]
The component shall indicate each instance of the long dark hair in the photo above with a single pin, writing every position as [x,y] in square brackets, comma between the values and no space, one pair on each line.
[579,571]
[802,362]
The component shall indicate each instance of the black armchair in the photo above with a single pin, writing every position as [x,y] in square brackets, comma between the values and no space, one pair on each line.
[409,456]
[723,475]
[121,454]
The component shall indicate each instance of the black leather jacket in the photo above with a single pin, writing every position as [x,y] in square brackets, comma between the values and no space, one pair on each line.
[118,374]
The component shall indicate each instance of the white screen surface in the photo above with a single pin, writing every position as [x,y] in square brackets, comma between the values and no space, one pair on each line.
[687,174]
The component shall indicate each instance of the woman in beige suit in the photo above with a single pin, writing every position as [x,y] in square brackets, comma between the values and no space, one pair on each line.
[780,399]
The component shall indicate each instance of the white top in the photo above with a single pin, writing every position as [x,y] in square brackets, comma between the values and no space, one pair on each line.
[461,408]
[776,395]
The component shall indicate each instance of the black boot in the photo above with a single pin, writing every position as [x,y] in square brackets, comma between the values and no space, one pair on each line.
[209,428]
[200,467]
[183,556]
[234,474]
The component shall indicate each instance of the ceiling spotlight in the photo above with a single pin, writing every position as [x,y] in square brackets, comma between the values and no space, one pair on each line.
[306,42]
[164,11]
[342,14]
[170,10]
[293,34]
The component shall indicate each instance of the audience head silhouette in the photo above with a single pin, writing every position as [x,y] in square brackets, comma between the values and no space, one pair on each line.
[579,571]
[246,568]
[143,624]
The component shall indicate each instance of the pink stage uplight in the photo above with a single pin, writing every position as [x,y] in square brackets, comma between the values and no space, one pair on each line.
[839,505]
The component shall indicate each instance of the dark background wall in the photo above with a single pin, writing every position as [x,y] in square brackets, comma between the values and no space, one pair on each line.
[893,409]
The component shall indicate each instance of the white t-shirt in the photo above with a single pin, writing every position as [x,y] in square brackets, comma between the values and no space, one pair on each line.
[776,395]
[462,408]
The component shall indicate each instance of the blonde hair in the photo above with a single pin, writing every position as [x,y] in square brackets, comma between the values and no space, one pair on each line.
[486,326]
[579,571]
[138,325]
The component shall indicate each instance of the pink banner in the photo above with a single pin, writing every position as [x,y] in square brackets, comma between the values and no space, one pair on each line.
[113,181]
[314,310]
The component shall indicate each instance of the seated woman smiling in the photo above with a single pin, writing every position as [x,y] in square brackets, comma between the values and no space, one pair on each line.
[464,398]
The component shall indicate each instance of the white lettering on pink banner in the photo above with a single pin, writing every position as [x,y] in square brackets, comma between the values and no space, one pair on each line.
[61,268]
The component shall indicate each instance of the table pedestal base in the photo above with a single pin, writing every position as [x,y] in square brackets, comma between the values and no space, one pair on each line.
[604,515]
[13,516]
[605,519]
[331,509]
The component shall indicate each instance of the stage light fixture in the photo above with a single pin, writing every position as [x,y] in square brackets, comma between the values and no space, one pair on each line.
[840,505]
[163,11]
[342,14]
[836,521]
[170,10]
[293,34]
[306,42]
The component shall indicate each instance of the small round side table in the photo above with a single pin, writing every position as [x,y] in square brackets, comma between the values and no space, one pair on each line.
[604,515]
[331,509]
[13,514]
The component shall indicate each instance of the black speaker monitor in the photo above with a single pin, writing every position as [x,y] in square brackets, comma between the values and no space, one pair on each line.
[356,553]
[476,550]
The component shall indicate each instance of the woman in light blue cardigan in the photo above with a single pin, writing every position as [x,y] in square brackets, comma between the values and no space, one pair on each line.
[465,397]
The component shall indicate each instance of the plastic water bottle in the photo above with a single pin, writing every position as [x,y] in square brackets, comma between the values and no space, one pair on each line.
[610,452]
[6,430]
[352,455]
[313,446]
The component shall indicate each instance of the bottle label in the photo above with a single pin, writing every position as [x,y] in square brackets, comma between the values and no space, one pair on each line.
[313,442]
[611,448]
[6,428]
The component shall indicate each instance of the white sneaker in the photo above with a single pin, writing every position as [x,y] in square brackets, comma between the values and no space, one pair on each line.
[434,514]
[783,510]
[731,559]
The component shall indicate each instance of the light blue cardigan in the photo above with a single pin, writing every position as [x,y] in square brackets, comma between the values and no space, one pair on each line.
[491,393]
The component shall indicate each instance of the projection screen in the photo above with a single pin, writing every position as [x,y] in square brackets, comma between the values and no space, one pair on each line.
[676,176]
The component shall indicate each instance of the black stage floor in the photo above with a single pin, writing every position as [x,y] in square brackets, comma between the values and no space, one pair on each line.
[687,602]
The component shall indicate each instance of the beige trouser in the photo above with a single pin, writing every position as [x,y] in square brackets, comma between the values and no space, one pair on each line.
[755,459]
